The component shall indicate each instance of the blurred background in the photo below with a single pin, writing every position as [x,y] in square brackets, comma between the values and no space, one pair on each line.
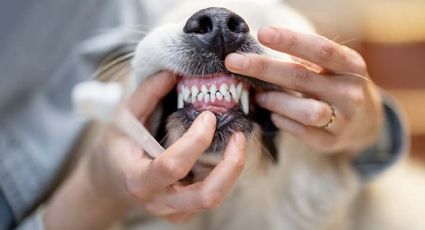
[390,34]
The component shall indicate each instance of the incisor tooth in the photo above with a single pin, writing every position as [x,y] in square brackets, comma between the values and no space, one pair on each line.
[206,97]
[235,96]
[204,89]
[194,91]
[212,97]
[227,97]
[200,97]
[219,96]
[245,101]
[213,89]
[224,89]
[180,102]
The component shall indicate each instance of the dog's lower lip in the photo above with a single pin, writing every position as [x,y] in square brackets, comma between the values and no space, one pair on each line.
[222,119]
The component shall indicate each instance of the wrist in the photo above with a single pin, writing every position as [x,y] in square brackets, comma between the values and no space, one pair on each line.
[79,205]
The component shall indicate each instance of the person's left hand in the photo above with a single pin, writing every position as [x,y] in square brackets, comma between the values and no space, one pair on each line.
[338,111]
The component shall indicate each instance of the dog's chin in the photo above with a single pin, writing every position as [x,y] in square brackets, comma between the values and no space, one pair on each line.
[222,94]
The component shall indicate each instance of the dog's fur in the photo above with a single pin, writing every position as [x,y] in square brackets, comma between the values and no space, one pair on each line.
[303,189]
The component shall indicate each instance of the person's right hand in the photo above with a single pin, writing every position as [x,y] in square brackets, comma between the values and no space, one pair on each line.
[119,170]
[117,176]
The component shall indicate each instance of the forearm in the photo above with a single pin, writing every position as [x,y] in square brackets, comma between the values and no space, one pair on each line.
[77,206]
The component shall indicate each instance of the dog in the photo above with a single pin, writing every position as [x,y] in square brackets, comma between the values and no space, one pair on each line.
[285,184]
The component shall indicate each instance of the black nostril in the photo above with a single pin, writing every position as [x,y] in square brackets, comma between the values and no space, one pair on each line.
[205,25]
[237,25]
[217,30]
[200,25]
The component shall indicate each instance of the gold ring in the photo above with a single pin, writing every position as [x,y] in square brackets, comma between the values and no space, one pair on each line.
[331,119]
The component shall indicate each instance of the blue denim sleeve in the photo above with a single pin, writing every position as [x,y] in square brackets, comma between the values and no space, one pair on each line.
[391,146]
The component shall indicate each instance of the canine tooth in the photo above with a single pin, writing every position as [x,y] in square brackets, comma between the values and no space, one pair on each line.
[239,89]
[204,89]
[200,97]
[227,97]
[224,89]
[245,101]
[206,97]
[194,91]
[180,102]
[219,96]
[213,89]
[233,92]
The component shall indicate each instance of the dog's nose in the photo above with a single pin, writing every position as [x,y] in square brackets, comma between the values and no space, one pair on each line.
[218,30]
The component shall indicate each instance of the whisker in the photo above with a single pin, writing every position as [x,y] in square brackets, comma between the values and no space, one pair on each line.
[121,59]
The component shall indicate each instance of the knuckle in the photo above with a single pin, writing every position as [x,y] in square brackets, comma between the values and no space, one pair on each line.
[317,114]
[172,169]
[356,95]
[357,61]
[300,77]
[258,66]
[291,41]
[209,200]
[238,164]
[326,49]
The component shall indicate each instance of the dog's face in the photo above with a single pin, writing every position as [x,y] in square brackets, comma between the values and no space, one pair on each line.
[192,41]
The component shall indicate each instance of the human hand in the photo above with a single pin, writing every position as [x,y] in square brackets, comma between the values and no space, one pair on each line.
[121,172]
[329,77]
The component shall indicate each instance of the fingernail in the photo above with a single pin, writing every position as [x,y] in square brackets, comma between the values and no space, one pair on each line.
[267,35]
[236,61]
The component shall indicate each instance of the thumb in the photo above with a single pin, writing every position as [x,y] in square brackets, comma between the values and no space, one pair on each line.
[144,100]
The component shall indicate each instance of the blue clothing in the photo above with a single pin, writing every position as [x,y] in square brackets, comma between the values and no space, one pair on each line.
[46,47]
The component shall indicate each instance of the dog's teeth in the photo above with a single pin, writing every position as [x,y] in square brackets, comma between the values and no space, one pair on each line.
[186,94]
[224,89]
[219,96]
[200,97]
[212,97]
[194,91]
[206,97]
[227,97]
[233,92]
[180,102]
[239,89]
[204,90]
[213,89]
[245,101]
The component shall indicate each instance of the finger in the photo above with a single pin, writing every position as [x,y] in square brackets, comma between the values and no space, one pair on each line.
[317,138]
[288,75]
[179,158]
[313,48]
[303,110]
[209,193]
[144,100]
